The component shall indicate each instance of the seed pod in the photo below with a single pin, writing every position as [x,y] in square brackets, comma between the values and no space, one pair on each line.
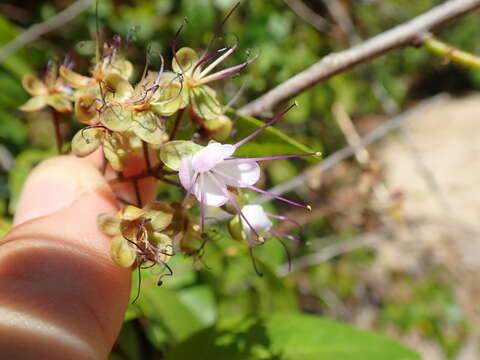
[87,141]
[122,252]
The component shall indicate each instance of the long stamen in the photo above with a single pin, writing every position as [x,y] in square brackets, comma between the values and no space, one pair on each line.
[285,218]
[206,58]
[289,257]
[278,197]
[174,42]
[214,64]
[219,28]
[227,72]
[192,186]
[254,262]
[285,235]
[202,202]
[274,157]
[271,122]
[235,205]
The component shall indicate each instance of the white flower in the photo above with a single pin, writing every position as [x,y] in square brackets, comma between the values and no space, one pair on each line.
[207,173]
[256,218]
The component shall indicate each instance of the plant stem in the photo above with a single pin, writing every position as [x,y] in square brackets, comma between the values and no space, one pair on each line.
[178,119]
[137,193]
[146,155]
[56,125]
[451,53]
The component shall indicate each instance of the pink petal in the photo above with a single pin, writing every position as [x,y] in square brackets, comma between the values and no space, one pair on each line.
[211,155]
[186,173]
[238,173]
[214,194]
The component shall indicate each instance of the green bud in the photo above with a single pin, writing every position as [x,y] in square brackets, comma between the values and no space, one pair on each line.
[220,128]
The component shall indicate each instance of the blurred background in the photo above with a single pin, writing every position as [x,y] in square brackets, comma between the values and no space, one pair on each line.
[392,244]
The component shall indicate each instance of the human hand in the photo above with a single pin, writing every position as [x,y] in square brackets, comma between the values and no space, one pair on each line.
[62,297]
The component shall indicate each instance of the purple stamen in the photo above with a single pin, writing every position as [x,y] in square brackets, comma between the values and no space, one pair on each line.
[189,191]
[274,157]
[235,205]
[285,235]
[284,218]
[275,196]
[227,72]
[207,57]
[202,202]
[271,122]
[289,257]
[214,64]
[219,28]
[174,42]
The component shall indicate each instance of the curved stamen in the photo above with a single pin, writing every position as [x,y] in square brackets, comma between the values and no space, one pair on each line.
[213,65]
[227,72]
[278,197]
[235,205]
[271,122]
[274,157]
[254,262]
[285,235]
[289,257]
[219,28]
[174,43]
[285,218]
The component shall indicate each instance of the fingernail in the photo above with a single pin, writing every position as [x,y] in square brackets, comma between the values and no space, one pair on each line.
[54,185]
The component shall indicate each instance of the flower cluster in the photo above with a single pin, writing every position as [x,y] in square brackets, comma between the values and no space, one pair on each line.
[126,121]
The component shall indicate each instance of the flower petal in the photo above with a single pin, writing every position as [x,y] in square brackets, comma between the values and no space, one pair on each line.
[34,104]
[186,173]
[211,155]
[60,102]
[33,85]
[238,173]
[214,193]
[257,217]
[74,79]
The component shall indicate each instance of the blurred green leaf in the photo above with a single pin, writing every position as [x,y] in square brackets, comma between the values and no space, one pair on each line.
[290,337]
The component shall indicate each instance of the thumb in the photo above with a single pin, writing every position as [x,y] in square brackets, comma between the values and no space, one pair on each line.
[62,296]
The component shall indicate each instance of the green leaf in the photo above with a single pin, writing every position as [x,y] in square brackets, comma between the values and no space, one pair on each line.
[164,307]
[173,152]
[292,337]
[270,142]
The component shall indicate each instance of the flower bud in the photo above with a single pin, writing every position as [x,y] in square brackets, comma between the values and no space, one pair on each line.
[220,128]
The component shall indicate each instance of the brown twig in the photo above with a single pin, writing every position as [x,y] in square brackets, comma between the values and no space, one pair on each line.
[409,33]
[38,30]
[307,14]
[176,124]
[344,153]
[146,156]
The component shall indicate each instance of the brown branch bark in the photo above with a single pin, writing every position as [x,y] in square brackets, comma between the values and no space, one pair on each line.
[409,33]
[38,30]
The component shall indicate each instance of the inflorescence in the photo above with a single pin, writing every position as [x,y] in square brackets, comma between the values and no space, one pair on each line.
[126,122]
